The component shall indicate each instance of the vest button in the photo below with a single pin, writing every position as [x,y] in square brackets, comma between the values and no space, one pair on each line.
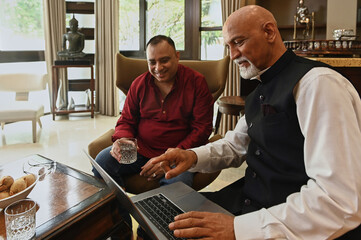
[250,125]
[254,175]
[257,152]
[247,202]
[261,97]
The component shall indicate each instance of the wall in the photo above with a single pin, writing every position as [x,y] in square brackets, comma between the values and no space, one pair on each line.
[341,15]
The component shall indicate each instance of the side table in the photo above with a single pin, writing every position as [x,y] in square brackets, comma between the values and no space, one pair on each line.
[78,108]
[231,105]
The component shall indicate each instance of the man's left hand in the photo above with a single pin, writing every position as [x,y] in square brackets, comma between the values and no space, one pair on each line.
[152,171]
[203,225]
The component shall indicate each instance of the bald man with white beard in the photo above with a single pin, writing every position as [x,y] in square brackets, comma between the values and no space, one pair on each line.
[300,137]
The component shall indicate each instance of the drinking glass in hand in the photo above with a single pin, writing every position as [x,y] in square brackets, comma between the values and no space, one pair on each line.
[128,150]
[20,219]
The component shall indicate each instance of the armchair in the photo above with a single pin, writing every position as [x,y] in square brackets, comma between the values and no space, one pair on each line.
[215,73]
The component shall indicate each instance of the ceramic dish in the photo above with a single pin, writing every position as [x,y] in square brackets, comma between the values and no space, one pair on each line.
[20,195]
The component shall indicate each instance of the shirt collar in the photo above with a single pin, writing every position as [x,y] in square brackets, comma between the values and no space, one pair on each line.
[258,77]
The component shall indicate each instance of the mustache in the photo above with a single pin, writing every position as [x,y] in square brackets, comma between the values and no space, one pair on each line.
[240,60]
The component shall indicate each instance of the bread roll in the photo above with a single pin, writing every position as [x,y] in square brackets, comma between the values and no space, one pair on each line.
[18,186]
[4,194]
[5,183]
[29,179]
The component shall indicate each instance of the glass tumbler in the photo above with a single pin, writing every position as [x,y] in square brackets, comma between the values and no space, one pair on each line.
[20,220]
[128,150]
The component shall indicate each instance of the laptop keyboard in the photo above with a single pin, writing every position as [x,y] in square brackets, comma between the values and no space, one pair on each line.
[161,212]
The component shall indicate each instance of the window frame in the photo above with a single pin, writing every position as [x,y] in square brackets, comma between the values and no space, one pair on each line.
[192,31]
[21,56]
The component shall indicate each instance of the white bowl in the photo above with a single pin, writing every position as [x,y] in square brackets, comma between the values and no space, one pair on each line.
[20,195]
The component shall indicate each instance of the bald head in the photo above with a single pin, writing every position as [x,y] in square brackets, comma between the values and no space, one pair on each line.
[251,15]
[252,32]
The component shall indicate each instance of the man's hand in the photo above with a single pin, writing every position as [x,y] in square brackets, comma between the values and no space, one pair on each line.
[175,161]
[115,151]
[152,171]
[203,225]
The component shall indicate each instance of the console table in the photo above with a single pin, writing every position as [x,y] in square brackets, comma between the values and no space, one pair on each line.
[78,108]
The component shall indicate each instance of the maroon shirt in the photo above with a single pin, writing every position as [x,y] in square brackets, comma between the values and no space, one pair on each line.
[182,119]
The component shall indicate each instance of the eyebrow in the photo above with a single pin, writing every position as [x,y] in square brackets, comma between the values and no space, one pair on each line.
[161,59]
[241,37]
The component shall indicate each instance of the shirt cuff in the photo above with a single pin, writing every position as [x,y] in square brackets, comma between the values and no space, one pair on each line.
[202,153]
[248,226]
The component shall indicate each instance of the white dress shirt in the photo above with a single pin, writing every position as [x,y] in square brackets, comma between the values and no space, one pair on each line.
[329,113]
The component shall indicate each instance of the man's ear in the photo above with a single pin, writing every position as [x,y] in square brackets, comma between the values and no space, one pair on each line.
[270,30]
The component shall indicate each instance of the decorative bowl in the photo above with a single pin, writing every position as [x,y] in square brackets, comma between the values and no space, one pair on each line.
[20,195]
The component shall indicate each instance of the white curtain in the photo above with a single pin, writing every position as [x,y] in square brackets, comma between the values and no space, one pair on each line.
[55,27]
[232,88]
[106,46]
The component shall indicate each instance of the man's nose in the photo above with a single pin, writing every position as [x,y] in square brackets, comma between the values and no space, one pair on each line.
[234,53]
[158,66]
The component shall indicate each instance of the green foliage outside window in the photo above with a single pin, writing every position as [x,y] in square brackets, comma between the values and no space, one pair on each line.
[129,25]
[22,16]
[167,18]
[210,17]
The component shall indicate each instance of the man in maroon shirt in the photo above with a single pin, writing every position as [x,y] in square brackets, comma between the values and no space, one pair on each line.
[170,106]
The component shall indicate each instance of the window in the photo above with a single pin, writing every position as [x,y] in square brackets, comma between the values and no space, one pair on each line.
[21,30]
[21,25]
[129,37]
[22,43]
[141,20]
[167,18]
[211,30]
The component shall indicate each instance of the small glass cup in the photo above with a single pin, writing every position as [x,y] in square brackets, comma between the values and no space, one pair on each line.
[128,150]
[20,219]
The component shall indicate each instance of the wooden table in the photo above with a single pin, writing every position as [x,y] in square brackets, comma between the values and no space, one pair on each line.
[72,204]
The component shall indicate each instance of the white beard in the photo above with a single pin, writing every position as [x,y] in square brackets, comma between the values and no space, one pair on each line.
[247,72]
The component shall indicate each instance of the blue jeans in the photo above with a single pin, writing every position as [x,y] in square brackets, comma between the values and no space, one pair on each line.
[118,171]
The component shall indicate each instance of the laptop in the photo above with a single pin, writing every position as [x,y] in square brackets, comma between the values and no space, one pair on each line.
[179,196]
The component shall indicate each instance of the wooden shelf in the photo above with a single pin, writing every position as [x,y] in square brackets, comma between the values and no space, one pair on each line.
[324,47]
[78,108]
[80,7]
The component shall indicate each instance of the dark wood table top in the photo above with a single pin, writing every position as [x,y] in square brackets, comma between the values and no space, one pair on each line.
[72,204]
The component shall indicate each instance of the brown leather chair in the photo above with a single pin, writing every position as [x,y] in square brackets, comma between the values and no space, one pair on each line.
[215,73]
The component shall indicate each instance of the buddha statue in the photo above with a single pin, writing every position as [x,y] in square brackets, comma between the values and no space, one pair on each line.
[75,41]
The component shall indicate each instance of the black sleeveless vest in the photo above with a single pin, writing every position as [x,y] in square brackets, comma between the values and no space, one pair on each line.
[275,154]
